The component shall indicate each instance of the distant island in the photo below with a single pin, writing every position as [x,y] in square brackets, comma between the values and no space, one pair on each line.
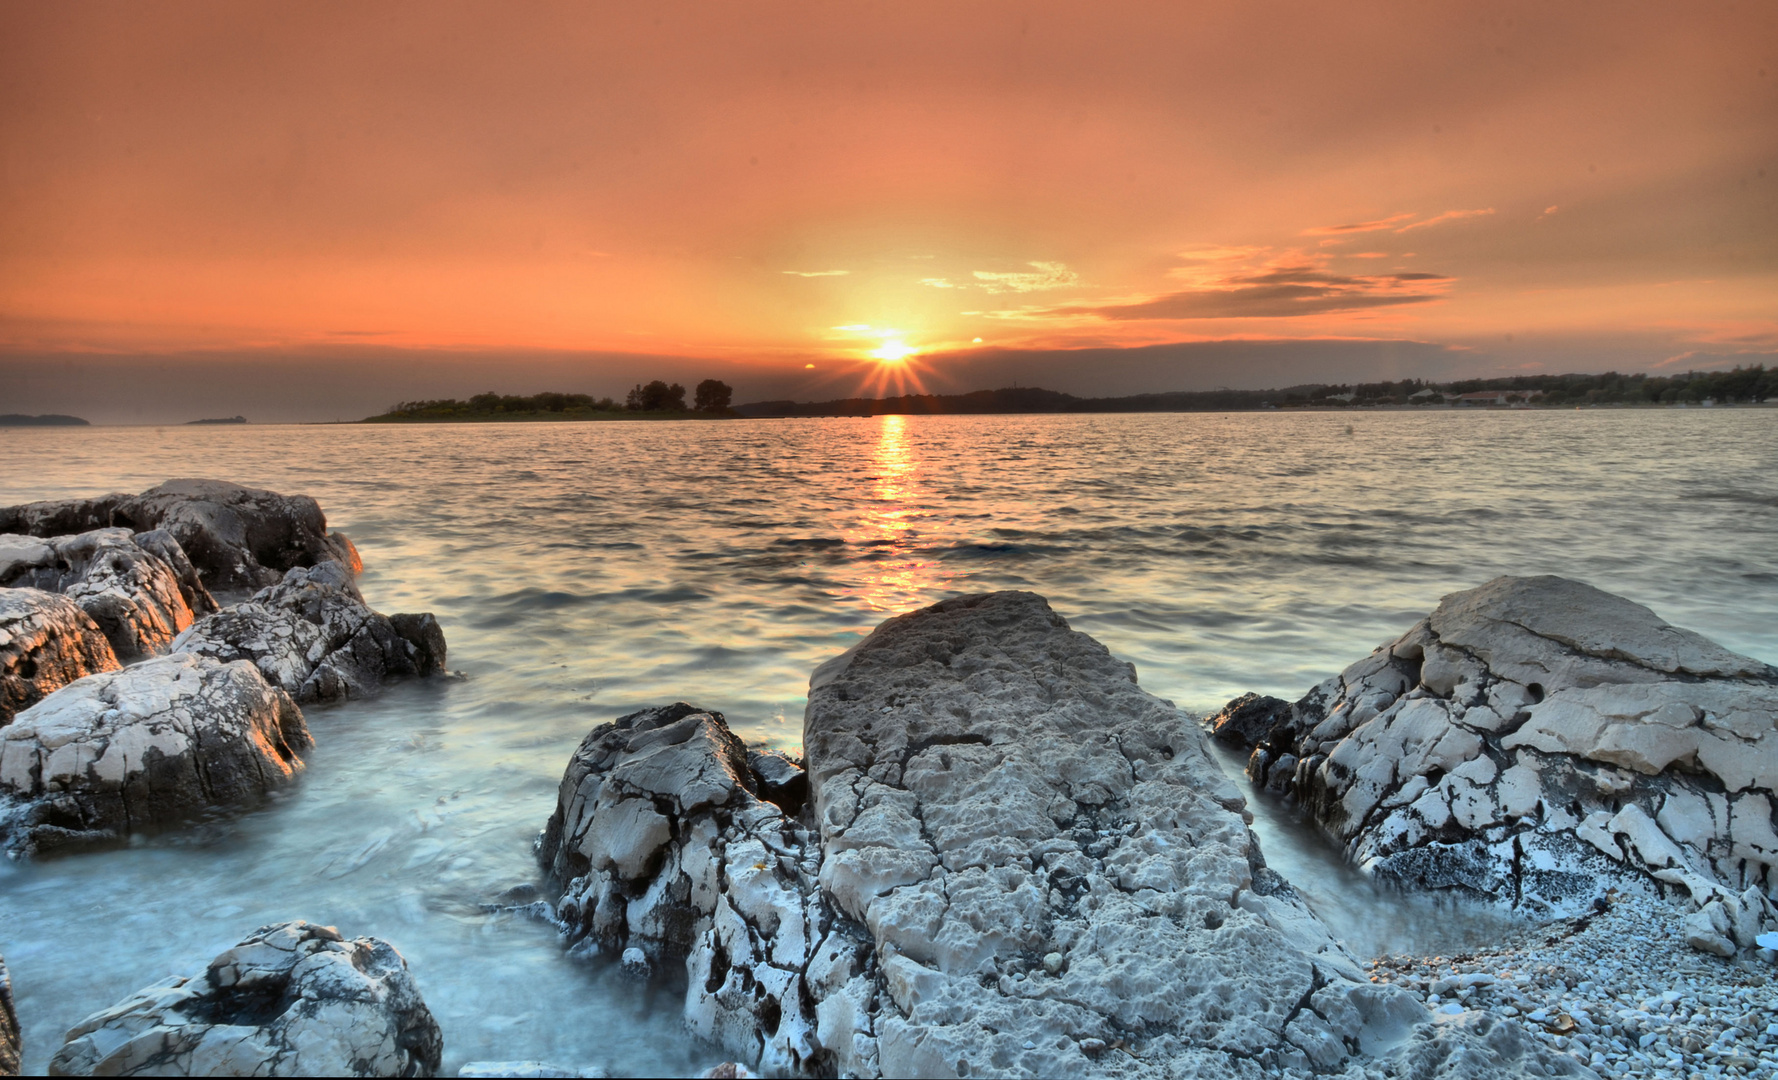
[1741,385]
[46,420]
[657,400]
[222,420]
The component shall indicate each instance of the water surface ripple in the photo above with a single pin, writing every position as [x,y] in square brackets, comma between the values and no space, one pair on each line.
[582,570]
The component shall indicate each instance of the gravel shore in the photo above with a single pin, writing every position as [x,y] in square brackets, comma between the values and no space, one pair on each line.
[1619,990]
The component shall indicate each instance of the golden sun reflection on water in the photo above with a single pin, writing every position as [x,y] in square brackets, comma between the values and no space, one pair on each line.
[896,578]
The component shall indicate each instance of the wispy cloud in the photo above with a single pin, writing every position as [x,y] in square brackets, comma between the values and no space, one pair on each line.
[1041,276]
[1395,223]
[1358,226]
[816,273]
[1289,285]
[1448,215]
[1047,275]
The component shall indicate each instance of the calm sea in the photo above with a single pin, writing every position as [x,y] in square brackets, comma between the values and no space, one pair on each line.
[583,570]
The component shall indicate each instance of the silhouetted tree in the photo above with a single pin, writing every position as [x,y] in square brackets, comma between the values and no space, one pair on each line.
[714,396]
[657,396]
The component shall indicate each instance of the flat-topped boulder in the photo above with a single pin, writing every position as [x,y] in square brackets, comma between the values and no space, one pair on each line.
[238,538]
[131,592]
[46,642]
[313,635]
[1011,861]
[148,745]
[292,999]
[62,517]
[1538,741]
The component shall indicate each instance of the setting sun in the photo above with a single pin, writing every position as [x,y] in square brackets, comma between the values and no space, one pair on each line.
[894,351]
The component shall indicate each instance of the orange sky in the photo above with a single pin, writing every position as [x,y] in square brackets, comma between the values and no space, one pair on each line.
[772,185]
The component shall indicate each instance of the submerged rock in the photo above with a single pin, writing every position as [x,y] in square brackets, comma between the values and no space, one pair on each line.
[1537,741]
[46,642]
[150,744]
[131,592]
[1011,861]
[313,635]
[1246,720]
[294,999]
[238,538]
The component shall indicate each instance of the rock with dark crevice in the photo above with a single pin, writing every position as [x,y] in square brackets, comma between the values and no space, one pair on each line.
[1537,742]
[313,635]
[238,538]
[161,544]
[46,642]
[134,595]
[292,999]
[147,746]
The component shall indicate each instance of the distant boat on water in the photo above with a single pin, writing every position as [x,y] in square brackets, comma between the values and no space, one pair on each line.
[46,420]
[220,420]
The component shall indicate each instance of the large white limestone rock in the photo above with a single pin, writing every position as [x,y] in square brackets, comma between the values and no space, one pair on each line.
[132,593]
[46,642]
[148,745]
[1537,741]
[1046,871]
[313,635]
[294,999]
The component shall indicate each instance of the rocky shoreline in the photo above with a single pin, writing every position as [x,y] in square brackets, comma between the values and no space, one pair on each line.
[1000,856]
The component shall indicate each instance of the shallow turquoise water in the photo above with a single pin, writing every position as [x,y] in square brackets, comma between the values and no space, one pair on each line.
[583,570]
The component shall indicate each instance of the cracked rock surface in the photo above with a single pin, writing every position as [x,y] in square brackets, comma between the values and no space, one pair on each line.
[1012,861]
[147,745]
[313,635]
[1537,741]
[134,595]
[1054,878]
[293,999]
[238,538]
[46,642]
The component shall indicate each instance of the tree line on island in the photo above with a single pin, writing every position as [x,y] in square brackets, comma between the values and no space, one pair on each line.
[712,397]
[1749,385]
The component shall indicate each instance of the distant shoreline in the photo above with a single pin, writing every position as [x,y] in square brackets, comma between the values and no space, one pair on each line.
[743,414]
[45,420]
[539,418]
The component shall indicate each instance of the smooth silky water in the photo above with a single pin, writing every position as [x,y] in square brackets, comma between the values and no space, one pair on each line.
[582,570]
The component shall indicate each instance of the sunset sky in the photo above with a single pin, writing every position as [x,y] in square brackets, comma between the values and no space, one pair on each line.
[202,204]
